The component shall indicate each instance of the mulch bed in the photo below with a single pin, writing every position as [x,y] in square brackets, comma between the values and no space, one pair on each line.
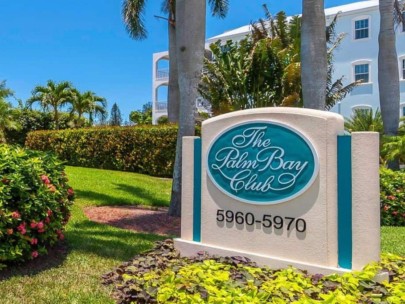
[136,218]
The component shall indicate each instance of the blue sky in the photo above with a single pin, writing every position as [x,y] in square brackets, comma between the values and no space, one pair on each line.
[85,42]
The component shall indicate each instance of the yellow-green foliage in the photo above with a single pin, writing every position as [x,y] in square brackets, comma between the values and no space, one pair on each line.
[162,275]
[149,150]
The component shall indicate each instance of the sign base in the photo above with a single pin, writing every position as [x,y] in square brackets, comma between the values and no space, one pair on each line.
[190,248]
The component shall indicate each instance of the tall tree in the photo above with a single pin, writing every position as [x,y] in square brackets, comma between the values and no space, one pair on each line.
[264,68]
[115,116]
[53,95]
[4,91]
[188,18]
[88,103]
[190,38]
[388,75]
[133,10]
[142,117]
[313,54]
[7,119]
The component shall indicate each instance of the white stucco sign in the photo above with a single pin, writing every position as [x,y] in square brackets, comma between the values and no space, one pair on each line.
[282,186]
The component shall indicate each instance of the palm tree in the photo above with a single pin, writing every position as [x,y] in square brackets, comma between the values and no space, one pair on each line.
[7,121]
[133,10]
[313,54]
[364,120]
[388,76]
[87,102]
[394,148]
[188,18]
[54,96]
[4,91]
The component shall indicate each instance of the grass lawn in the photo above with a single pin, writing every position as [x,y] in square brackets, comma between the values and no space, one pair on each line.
[94,249]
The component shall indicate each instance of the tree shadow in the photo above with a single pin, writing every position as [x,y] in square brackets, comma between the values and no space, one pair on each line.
[138,195]
[55,257]
[107,242]
[143,194]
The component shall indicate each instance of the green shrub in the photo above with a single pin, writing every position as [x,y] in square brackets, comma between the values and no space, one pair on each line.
[162,276]
[392,197]
[34,203]
[142,149]
[32,120]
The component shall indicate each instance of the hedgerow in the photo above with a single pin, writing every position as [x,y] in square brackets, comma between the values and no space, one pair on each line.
[162,276]
[35,202]
[142,149]
[392,197]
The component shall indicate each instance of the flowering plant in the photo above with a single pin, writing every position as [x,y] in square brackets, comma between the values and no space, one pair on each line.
[35,202]
[392,197]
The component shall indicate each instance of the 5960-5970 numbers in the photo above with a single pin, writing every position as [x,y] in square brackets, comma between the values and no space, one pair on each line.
[267,220]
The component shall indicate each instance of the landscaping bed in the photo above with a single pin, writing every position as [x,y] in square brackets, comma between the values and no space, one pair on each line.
[162,276]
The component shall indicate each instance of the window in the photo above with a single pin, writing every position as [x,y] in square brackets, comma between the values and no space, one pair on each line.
[361,28]
[361,73]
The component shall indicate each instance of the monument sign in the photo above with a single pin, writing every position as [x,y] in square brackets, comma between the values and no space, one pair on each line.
[282,186]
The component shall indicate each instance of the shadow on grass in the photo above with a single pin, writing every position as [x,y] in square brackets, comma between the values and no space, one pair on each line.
[138,196]
[56,256]
[143,194]
[105,241]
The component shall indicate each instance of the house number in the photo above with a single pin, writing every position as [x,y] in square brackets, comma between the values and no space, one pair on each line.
[266,221]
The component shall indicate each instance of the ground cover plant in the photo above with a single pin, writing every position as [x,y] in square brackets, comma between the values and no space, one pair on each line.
[35,202]
[162,276]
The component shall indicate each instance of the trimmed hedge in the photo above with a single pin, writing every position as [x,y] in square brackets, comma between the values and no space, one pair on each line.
[142,149]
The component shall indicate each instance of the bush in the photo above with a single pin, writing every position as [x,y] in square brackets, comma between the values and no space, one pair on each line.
[142,149]
[35,201]
[32,120]
[162,276]
[392,197]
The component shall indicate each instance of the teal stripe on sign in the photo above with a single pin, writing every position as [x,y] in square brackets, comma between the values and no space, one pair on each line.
[344,163]
[197,191]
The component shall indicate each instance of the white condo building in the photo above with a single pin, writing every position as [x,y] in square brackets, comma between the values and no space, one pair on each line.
[355,59]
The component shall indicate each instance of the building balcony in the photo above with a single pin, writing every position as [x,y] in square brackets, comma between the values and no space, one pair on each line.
[162,75]
[161,106]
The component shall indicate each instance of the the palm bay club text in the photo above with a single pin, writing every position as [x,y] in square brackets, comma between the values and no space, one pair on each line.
[261,166]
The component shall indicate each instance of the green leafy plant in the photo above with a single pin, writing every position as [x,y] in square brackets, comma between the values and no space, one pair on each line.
[35,202]
[392,197]
[162,276]
[364,120]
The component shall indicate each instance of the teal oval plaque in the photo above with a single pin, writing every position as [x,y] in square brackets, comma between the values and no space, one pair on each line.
[262,162]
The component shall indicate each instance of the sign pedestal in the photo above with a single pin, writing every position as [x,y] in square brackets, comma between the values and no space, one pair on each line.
[282,186]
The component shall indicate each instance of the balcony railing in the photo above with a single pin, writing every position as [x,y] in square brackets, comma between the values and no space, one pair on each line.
[160,106]
[162,74]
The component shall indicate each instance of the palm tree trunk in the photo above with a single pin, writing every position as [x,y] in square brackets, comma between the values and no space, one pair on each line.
[173,98]
[190,38]
[56,118]
[313,54]
[388,75]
